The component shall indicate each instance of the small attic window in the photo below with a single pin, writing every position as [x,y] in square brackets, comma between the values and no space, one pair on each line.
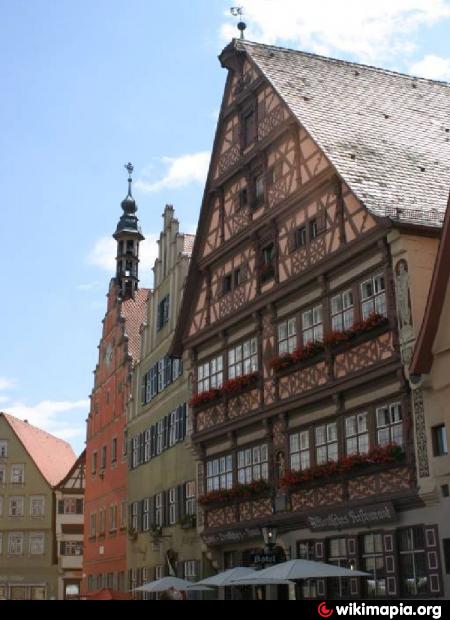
[422,169]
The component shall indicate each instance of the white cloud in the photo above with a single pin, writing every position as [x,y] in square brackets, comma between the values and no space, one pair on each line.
[181,171]
[369,31]
[4,399]
[103,254]
[432,67]
[7,384]
[64,419]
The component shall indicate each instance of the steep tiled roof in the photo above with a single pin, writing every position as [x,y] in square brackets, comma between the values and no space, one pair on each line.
[52,456]
[134,312]
[188,244]
[387,134]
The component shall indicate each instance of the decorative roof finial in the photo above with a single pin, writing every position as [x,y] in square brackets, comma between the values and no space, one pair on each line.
[129,166]
[238,11]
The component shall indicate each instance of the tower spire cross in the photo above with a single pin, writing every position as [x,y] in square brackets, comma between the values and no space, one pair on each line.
[130,168]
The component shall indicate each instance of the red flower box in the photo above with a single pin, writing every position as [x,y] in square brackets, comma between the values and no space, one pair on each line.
[380,454]
[238,385]
[240,491]
[205,397]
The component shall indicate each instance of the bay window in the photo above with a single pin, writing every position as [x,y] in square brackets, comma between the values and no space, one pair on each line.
[219,473]
[210,375]
[287,336]
[342,311]
[312,325]
[299,451]
[243,359]
[326,444]
[373,297]
[390,425]
[253,464]
[357,434]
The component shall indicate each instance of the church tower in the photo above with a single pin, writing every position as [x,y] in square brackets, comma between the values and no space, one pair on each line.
[128,236]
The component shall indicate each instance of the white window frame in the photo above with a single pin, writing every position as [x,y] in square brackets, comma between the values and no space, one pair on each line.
[15,543]
[159,510]
[300,451]
[330,443]
[17,506]
[3,448]
[134,516]
[172,506]
[374,299]
[357,439]
[342,311]
[160,437]
[36,543]
[147,445]
[210,375]
[287,336]
[394,412]
[243,359]
[190,569]
[219,473]
[18,474]
[40,501]
[312,325]
[253,464]
[146,515]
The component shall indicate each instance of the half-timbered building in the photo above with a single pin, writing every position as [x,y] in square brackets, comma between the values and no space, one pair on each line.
[301,410]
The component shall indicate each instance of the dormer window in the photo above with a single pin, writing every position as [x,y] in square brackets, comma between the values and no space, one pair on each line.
[3,448]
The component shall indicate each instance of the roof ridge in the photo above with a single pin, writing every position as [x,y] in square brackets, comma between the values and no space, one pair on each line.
[342,62]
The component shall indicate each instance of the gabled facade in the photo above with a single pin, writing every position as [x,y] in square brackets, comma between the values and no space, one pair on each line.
[69,520]
[162,493]
[105,529]
[302,413]
[32,462]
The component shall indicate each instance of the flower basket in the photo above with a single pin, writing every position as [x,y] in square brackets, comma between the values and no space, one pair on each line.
[391,453]
[205,397]
[239,492]
[240,384]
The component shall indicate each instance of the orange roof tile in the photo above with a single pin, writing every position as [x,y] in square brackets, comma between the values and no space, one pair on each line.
[52,456]
[134,312]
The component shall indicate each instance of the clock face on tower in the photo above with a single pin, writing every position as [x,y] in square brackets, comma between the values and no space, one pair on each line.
[109,355]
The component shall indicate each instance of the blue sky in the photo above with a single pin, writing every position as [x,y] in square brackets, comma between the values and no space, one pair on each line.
[89,85]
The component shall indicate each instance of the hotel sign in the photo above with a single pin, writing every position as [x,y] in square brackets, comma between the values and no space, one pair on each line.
[231,536]
[348,518]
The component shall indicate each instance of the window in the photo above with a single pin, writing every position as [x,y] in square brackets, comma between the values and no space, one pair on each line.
[227,284]
[15,543]
[243,359]
[373,563]
[160,437]
[159,572]
[114,450]
[123,514]
[103,459]
[305,551]
[161,383]
[16,505]
[37,506]
[440,444]
[210,375]
[342,312]
[259,189]
[147,446]
[373,297]
[172,506]
[326,444]
[18,474]
[243,199]
[219,474]
[113,518]
[390,425]
[159,510]
[146,515]
[253,465]
[299,449]
[190,569]
[2,474]
[357,434]
[163,313]
[92,524]
[268,262]
[413,566]
[36,544]
[338,587]
[191,500]
[313,229]
[312,322]
[287,336]
[102,522]
[249,128]
[134,516]
[72,548]
[301,238]
[172,428]
[3,448]
[94,463]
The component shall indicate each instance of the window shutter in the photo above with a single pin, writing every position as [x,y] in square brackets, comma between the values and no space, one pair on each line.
[140,515]
[183,422]
[166,421]
[165,498]
[60,507]
[319,555]
[321,221]
[182,500]
[152,512]
[130,454]
[180,570]
[153,442]
[141,448]
[392,589]
[292,241]
[352,553]
[79,508]
[144,390]
[168,377]
[433,560]
[62,548]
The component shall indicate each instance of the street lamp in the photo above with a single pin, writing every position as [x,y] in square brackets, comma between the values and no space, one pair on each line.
[270,534]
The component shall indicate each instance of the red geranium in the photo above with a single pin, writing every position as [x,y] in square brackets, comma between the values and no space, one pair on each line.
[235,386]
[204,398]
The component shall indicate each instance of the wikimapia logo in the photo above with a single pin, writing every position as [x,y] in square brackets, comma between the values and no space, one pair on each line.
[388,611]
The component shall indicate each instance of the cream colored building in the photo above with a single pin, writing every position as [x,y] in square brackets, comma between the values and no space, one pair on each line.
[163,538]
[70,530]
[32,463]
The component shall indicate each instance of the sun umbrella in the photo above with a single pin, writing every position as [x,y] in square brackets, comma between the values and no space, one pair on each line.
[108,595]
[170,583]
[296,570]
[223,580]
